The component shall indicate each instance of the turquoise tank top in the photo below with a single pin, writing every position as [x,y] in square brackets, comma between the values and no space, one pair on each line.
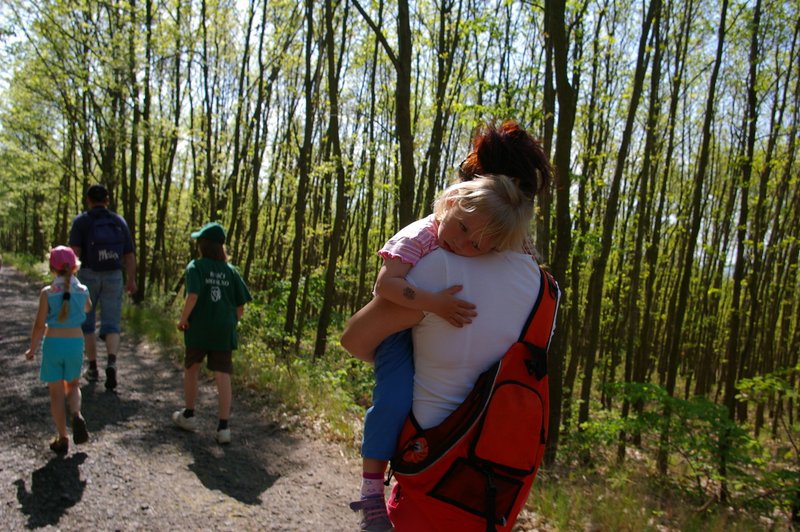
[77,303]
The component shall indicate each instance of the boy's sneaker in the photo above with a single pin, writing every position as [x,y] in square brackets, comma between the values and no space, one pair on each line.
[91,374]
[111,377]
[79,432]
[59,445]
[186,423]
[223,436]
[373,517]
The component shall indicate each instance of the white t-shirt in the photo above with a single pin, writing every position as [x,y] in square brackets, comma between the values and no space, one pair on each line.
[447,359]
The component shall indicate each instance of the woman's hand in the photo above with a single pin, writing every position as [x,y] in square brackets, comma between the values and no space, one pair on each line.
[456,311]
[29,354]
[183,325]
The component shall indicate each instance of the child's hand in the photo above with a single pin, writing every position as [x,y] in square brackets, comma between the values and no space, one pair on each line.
[29,354]
[183,325]
[456,311]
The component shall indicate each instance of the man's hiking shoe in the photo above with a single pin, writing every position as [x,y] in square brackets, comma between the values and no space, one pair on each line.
[59,445]
[91,374]
[373,517]
[79,432]
[111,378]
[186,423]
[223,436]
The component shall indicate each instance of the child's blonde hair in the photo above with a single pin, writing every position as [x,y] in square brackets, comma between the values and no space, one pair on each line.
[64,310]
[497,197]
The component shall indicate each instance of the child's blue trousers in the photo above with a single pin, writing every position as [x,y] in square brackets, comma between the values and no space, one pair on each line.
[391,397]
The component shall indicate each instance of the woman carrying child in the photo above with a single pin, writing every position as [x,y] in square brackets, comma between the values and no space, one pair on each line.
[489,211]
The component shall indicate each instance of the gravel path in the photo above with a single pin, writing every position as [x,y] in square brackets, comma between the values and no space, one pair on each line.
[138,472]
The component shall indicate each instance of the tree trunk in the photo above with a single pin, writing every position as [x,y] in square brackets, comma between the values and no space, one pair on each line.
[402,99]
[567,100]
[756,232]
[341,199]
[643,205]
[599,264]
[304,162]
[147,160]
[674,334]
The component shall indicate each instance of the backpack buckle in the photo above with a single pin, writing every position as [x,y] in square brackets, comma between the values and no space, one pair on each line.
[537,364]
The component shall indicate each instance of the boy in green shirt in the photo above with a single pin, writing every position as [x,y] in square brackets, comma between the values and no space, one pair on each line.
[215,299]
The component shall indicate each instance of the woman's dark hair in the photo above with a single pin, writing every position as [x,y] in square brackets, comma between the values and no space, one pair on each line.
[510,150]
[211,250]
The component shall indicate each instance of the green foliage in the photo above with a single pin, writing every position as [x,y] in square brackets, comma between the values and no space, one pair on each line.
[156,319]
[324,390]
[621,498]
[712,450]
[780,484]
[762,387]
[31,266]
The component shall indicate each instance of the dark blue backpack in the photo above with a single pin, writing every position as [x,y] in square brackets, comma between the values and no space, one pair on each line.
[106,243]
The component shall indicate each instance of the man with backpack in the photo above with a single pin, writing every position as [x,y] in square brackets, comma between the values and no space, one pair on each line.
[103,242]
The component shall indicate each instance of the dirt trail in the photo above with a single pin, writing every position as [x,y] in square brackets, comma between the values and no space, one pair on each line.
[138,472]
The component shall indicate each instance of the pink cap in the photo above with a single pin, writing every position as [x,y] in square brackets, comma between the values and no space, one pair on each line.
[62,258]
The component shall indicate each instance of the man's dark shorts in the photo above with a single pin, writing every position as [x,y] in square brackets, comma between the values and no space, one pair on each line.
[221,361]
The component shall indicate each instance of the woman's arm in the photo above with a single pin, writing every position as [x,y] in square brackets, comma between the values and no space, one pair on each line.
[376,320]
[392,286]
[38,325]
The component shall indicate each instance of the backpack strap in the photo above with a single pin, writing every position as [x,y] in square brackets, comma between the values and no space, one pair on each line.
[539,327]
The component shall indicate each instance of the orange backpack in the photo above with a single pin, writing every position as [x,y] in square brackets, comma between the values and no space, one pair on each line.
[474,470]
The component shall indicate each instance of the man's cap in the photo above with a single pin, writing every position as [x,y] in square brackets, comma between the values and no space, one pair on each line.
[97,193]
[62,258]
[211,231]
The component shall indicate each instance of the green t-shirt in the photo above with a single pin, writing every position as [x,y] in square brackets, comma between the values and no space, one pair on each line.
[220,289]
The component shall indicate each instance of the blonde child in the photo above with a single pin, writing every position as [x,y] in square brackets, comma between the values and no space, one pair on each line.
[63,305]
[470,218]
[215,299]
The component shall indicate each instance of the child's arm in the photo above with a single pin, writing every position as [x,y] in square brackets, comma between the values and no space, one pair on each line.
[188,306]
[239,312]
[38,325]
[392,285]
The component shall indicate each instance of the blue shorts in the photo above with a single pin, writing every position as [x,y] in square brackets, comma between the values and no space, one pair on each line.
[105,289]
[391,398]
[62,359]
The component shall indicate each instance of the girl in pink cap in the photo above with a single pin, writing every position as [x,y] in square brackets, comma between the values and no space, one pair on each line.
[63,305]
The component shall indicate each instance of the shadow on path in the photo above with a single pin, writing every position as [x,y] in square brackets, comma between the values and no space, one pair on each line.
[55,487]
[222,469]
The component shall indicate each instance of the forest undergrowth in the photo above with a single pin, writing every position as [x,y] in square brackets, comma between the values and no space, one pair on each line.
[587,488]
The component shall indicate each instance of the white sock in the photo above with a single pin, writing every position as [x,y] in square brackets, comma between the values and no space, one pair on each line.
[371,487]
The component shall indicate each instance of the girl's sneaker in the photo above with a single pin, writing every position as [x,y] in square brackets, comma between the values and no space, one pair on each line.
[374,517]
[186,423]
[91,374]
[59,445]
[223,436]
